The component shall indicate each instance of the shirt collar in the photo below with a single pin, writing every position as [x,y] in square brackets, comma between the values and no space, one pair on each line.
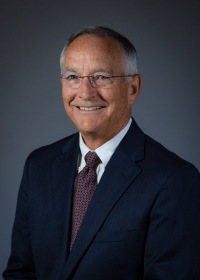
[106,150]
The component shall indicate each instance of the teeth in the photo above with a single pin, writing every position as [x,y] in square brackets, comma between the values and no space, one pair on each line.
[89,108]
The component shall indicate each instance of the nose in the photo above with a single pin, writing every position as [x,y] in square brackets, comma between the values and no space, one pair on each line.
[89,79]
[86,90]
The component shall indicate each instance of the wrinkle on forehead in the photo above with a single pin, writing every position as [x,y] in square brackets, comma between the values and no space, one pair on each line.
[105,71]
[98,54]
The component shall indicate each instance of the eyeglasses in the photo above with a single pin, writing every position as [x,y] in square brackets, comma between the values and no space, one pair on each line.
[74,82]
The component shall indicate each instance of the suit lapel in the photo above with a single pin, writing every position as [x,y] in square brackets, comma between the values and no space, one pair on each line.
[63,173]
[124,169]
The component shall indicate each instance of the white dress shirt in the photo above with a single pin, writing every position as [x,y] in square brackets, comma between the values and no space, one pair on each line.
[104,152]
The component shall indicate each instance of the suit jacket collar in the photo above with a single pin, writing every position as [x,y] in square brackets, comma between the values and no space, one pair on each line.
[109,191]
[64,169]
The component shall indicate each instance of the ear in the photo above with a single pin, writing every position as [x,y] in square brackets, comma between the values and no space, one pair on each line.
[134,88]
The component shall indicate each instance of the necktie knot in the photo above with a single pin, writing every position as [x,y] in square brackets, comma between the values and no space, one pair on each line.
[92,159]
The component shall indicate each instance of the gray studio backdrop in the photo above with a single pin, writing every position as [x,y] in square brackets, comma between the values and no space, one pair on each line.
[167,37]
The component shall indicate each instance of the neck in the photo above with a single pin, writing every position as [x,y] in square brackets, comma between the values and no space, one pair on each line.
[94,140]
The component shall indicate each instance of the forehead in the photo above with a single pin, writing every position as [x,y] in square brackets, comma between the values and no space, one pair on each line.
[94,51]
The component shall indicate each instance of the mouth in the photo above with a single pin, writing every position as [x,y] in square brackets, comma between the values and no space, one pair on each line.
[90,108]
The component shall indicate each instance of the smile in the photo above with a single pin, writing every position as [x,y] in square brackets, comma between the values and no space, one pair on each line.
[90,108]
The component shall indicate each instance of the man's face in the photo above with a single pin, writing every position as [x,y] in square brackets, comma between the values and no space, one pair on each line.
[91,55]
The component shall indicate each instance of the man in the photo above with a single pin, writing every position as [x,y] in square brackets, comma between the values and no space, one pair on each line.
[142,222]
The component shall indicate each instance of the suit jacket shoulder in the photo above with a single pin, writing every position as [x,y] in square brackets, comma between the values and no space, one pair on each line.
[51,151]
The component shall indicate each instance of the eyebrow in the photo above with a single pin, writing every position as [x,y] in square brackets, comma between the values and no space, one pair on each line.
[74,70]
[104,70]
[70,70]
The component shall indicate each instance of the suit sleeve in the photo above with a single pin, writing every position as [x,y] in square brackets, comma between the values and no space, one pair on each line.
[21,264]
[172,248]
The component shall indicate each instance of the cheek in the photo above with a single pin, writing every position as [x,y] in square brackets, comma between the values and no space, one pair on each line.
[67,97]
[121,101]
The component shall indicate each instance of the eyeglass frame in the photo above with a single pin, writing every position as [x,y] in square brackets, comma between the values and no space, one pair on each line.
[91,79]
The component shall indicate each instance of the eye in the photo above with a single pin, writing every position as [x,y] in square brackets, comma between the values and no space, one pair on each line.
[102,77]
[72,77]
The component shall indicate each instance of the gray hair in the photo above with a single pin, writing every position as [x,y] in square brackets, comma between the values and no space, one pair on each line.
[129,51]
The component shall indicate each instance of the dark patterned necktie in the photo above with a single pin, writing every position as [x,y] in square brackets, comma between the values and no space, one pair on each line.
[84,187]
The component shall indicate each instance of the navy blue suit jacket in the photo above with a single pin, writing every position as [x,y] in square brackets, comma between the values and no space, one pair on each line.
[143,221]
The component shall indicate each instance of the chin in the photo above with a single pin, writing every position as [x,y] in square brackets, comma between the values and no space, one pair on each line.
[88,126]
[88,130]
